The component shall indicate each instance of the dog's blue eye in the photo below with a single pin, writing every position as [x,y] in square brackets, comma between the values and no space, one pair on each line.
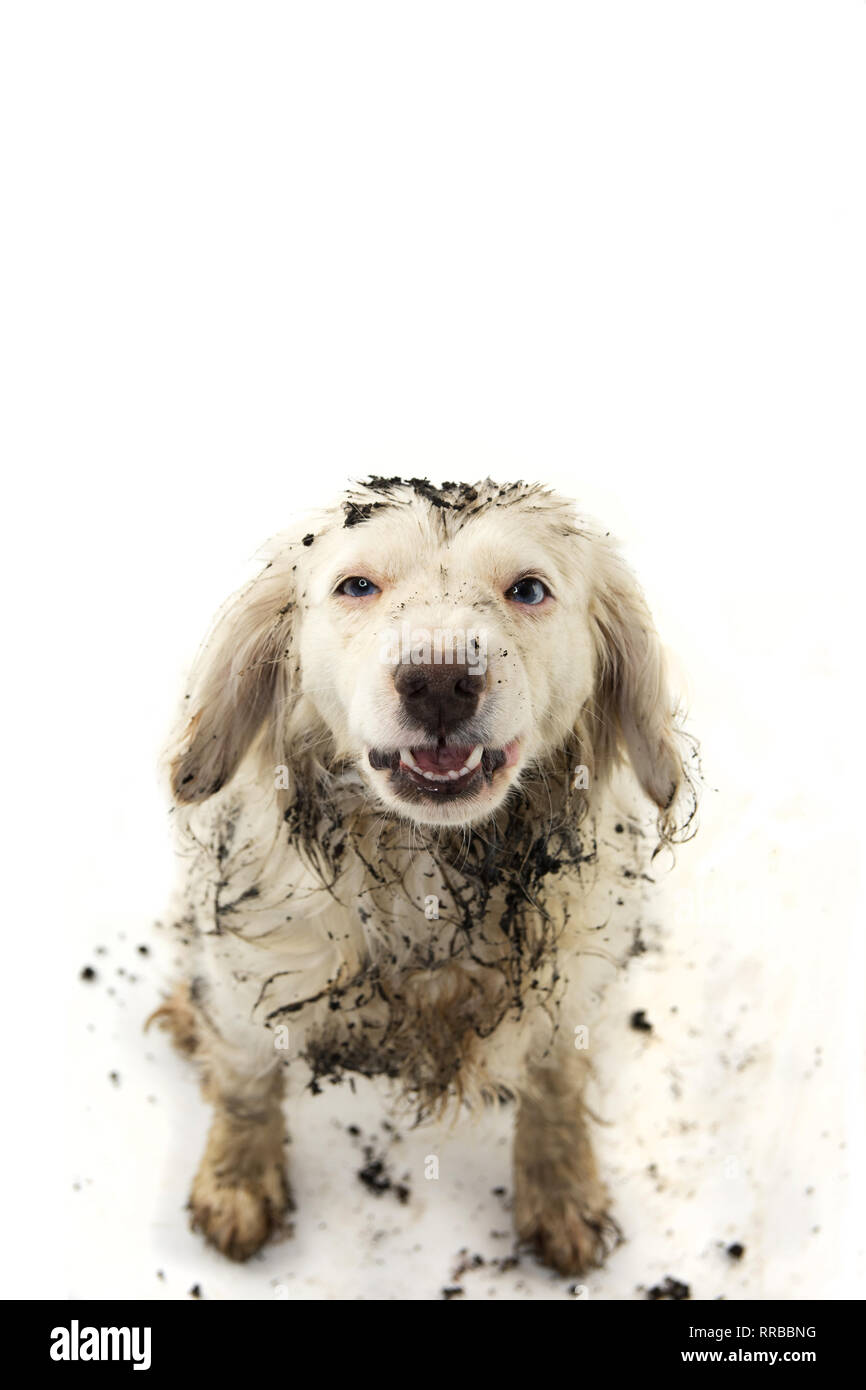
[529,591]
[358,587]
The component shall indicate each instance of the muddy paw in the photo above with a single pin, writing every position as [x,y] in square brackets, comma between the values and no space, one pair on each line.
[567,1232]
[238,1217]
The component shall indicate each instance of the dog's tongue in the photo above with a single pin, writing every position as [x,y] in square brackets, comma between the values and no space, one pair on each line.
[444,759]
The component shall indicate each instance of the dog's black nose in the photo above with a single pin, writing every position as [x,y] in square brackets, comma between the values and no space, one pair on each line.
[438,697]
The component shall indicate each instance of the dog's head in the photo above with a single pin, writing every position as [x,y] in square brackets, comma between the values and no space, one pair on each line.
[449,643]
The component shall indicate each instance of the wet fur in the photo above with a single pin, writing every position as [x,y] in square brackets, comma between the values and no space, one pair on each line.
[304,907]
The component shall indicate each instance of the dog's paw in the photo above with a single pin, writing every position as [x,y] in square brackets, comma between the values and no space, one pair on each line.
[238,1217]
[571,1232]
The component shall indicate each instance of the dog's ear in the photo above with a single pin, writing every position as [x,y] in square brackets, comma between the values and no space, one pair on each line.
[634,712]
[242,675]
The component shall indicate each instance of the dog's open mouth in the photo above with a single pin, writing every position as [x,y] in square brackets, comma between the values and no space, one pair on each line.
[444,770]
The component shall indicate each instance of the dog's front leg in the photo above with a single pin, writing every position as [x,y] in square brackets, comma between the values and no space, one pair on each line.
[240,1192]
[560,1203]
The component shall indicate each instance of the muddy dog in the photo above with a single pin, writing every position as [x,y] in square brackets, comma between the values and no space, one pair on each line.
[391,766]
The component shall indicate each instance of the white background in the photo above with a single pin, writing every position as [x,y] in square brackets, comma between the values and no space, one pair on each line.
[252,250]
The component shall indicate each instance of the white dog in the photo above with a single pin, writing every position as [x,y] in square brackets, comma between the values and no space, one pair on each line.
[392,759]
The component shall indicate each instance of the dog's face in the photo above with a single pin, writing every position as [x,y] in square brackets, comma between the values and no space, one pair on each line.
[447,642]
[446,658]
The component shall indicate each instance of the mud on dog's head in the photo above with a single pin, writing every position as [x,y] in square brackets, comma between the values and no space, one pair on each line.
[448,642]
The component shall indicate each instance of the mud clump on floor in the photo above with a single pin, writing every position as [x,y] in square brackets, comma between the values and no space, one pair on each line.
[670,1289]
[376,1178]
[466,1262]
[375,1174]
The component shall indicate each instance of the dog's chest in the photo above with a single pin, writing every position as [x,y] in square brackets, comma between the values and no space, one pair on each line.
[400,966]
[404,985]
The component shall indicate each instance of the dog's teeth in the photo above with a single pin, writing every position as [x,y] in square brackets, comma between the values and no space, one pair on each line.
[474,758]
[452,775]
